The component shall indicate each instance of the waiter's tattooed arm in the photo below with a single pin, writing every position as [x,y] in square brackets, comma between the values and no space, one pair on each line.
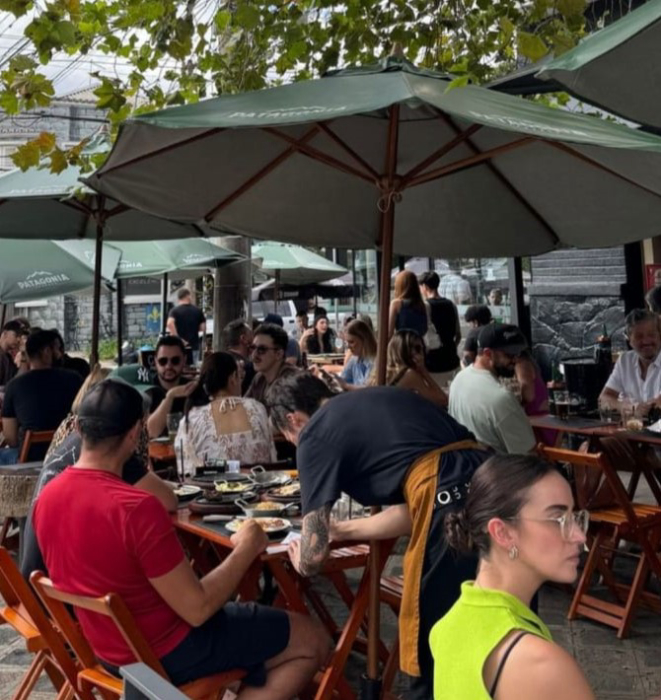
[310,552]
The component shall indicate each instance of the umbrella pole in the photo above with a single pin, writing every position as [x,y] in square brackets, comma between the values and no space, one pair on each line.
[276,291]
[120,323]
[164,304]
[353,282]
[4,315]
[371,683]
[96,303]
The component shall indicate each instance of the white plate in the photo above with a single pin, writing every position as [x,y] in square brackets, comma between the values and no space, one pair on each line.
[186,491]
[234,525]
[161,440]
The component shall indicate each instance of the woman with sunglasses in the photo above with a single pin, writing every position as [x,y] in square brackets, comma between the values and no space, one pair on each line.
[519,517]
[221,425]
[406,367]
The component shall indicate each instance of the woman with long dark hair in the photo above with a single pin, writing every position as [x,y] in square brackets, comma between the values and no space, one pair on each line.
[519,517]
[320,339]
[407,309]
[218,423]
[406,367]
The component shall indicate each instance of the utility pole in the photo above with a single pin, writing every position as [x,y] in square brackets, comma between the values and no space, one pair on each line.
[232,287]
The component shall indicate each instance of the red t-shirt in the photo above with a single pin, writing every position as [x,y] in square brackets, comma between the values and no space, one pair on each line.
[99,535]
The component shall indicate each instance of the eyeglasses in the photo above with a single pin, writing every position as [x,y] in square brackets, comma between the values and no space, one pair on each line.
[174,361]
[260,349]
[567,521]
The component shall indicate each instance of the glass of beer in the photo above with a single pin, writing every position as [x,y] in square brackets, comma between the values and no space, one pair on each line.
[173,421]
[561,399]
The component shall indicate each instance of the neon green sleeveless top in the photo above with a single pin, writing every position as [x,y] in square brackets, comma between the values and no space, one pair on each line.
[462,640]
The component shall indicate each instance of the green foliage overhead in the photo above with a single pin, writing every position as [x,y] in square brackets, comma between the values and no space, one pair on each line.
[210,47]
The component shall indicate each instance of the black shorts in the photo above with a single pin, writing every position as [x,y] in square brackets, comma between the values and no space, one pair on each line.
[239,636]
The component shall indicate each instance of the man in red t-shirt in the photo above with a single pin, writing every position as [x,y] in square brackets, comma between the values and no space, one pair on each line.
[100,535]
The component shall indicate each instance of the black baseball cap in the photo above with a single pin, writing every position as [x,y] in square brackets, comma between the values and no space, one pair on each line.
[112,407]
[504,337]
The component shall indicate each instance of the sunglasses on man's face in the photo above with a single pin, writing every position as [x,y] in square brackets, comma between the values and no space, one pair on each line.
[261,349]
[174,361]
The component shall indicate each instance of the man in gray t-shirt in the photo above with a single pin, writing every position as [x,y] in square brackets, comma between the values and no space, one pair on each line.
[478,401]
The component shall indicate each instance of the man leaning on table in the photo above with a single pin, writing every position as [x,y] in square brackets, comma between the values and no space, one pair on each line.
[637,373]
[382,446]
[118,538]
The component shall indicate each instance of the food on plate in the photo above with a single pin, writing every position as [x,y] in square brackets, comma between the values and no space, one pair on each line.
[289,490]
[634,424]
[267,505]
[267,524]
[232,487]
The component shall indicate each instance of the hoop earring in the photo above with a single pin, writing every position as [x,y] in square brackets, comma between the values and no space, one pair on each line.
[513,552]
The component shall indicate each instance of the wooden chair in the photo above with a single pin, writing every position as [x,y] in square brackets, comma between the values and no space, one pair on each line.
[23,613]
[621,521]
[93,676]
[391,595]
[34,437]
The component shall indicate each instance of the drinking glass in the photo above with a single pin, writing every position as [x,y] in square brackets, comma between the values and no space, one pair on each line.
[561,399]
[172,422]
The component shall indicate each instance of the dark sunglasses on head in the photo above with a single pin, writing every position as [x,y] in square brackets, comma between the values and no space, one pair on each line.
[261,349]
[174,361]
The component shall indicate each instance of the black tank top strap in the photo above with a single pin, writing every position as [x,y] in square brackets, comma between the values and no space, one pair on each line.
[499,670]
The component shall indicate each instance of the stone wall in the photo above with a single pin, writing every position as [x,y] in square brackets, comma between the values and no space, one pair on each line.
[573,295]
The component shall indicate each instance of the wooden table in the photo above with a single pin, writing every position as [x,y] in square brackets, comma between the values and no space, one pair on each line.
[330,358]
[294,589]
[593,429]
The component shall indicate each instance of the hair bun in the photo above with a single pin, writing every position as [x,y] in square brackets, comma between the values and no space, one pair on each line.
[457,532]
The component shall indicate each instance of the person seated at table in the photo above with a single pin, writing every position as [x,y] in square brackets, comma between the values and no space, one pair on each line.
[407,369]
[218,424]
[476,316]
[482,404]
[165,385]
[40,399]
[519,517]
[361,343]
[118,538]
[64,451]
[236,340]
[75,364]
[407,309]
[320,339]
[382,446]
[301,326]
[10,341]
[293,352]
[268,357]
[637,373]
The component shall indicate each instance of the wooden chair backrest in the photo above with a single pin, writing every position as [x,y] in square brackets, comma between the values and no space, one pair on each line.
[21,601]
[597,461]
[34,437]
[110,605]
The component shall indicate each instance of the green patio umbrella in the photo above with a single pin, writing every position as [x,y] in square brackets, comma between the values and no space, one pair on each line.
[295,265]
[617,68]
[39,269]
[149,258]
[37,204]
[388,156]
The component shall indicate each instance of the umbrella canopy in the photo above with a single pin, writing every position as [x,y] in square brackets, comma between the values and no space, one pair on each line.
[617,68]
[468,171]
[37,204]
[38,269]
[148,258]
[339,288]
[296,265]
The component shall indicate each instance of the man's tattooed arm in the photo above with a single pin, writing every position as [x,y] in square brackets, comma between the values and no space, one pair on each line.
[314,541]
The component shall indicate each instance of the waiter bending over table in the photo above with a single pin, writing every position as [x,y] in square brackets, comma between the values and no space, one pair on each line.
[389,447]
